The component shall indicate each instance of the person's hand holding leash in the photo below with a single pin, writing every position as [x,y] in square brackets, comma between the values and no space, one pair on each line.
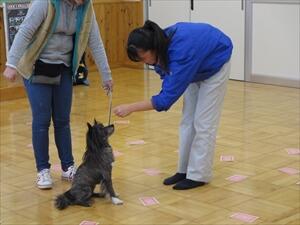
[10,73]
[108,85]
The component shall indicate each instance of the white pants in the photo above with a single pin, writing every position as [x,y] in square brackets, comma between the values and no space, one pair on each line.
[202,106]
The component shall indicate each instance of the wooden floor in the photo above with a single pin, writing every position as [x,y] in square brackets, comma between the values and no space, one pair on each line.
[259,124]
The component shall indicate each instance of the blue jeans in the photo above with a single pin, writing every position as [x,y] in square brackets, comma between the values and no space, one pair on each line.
[51,101]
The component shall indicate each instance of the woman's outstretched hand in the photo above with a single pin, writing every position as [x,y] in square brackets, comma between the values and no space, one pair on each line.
[127,109]
[122,110]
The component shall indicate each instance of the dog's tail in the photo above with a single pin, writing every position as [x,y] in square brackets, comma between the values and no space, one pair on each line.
[64,200]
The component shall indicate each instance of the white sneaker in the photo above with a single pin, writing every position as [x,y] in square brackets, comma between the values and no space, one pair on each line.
[69,174]
[44,180]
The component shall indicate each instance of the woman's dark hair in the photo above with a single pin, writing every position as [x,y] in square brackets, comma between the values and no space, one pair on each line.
[149,37]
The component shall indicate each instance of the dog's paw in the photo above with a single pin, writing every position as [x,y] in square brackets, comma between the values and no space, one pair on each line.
[116,201]
[107,196]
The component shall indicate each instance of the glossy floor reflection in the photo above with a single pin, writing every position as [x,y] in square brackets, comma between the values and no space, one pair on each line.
[259,123]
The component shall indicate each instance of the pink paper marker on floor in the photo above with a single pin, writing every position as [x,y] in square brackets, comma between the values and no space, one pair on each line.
[56,167]
[293,151]
[244,217]
[289,170]
[122,122]
[151,171]
[236,178]
[147,201]
[117,153]
[227,158]
[29,146]
[85,222]
[136,142]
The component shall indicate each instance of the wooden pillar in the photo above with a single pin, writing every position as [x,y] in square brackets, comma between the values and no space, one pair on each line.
[116,18]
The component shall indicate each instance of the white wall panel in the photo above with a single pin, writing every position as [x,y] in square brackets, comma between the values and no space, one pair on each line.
[275,41]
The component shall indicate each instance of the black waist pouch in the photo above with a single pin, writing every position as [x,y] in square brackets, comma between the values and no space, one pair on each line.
[47,73]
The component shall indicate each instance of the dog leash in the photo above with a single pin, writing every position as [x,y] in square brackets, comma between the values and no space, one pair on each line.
[109,93]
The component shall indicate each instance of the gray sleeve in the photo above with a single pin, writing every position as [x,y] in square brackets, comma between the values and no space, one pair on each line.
[35,16]
[98,51]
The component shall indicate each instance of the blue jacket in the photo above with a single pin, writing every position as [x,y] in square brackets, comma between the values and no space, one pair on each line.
[196,52]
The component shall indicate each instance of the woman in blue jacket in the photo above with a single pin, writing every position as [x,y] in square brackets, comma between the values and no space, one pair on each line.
[191,59]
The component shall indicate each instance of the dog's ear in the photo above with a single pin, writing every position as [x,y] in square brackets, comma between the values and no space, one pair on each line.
[89,126]
[109,129]
[95,121]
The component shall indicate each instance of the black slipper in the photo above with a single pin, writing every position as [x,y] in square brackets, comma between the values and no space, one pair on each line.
[175,178]
[188,184]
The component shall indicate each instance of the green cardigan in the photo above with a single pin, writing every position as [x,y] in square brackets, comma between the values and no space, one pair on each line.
[84,22]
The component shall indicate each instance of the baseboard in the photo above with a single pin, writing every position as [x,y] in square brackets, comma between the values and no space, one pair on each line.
[275,80]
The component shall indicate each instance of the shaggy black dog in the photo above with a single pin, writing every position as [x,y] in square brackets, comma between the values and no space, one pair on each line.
[96,168]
